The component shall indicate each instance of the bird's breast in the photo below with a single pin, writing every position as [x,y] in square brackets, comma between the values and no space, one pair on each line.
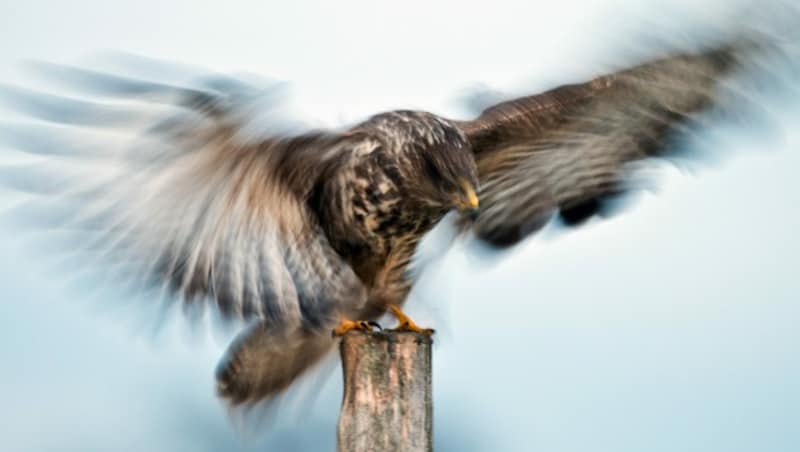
[379,221]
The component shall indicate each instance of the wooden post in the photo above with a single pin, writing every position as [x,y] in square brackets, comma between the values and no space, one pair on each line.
[387,405]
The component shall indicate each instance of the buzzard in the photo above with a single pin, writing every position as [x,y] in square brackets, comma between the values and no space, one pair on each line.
[303,233]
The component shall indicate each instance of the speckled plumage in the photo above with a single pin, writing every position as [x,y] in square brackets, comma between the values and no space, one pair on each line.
[378,211]
[292,232]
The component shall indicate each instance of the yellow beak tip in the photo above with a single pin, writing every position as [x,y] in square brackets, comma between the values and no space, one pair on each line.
[470,198]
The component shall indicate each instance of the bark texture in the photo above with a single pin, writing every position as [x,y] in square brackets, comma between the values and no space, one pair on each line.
[387,405]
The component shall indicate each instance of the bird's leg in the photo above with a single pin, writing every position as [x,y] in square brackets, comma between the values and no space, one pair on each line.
[348,325]
[404,323]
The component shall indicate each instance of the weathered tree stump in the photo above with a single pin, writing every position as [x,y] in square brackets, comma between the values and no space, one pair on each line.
[387,405]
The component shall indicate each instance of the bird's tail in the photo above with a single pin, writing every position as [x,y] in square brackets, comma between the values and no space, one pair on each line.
[260,363]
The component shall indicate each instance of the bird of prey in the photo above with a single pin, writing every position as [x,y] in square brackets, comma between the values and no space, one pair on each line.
[301,234]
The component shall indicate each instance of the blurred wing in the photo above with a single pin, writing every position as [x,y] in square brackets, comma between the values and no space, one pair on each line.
[570,149]
[197,197]
[261,363]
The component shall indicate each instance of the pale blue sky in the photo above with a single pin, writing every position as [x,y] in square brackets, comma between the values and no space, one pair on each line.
[670,328]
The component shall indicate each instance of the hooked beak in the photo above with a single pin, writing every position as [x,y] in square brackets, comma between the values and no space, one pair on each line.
[470,203]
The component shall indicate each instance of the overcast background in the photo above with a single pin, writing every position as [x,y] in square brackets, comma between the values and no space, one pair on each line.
[672,327]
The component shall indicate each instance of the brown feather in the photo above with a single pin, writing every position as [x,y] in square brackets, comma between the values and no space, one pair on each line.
[261,363]
[195,204]
[567,149]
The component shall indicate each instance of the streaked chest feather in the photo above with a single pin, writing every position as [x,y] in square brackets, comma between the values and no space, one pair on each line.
[380,223]
[381,210]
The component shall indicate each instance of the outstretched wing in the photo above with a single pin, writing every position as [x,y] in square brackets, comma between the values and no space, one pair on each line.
[568,150]
[188,192]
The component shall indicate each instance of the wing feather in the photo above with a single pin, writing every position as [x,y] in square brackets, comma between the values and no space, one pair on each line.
[188,197]
[571,149]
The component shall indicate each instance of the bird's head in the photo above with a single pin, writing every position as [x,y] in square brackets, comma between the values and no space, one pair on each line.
[449,178]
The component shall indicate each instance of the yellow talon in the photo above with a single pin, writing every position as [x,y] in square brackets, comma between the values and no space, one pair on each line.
[404,323]
[349,325]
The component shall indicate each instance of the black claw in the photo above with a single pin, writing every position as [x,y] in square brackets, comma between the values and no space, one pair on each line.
[375,324]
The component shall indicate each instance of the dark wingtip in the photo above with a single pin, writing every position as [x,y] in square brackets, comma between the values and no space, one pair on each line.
[507,235]
[502,236]
[579,213]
